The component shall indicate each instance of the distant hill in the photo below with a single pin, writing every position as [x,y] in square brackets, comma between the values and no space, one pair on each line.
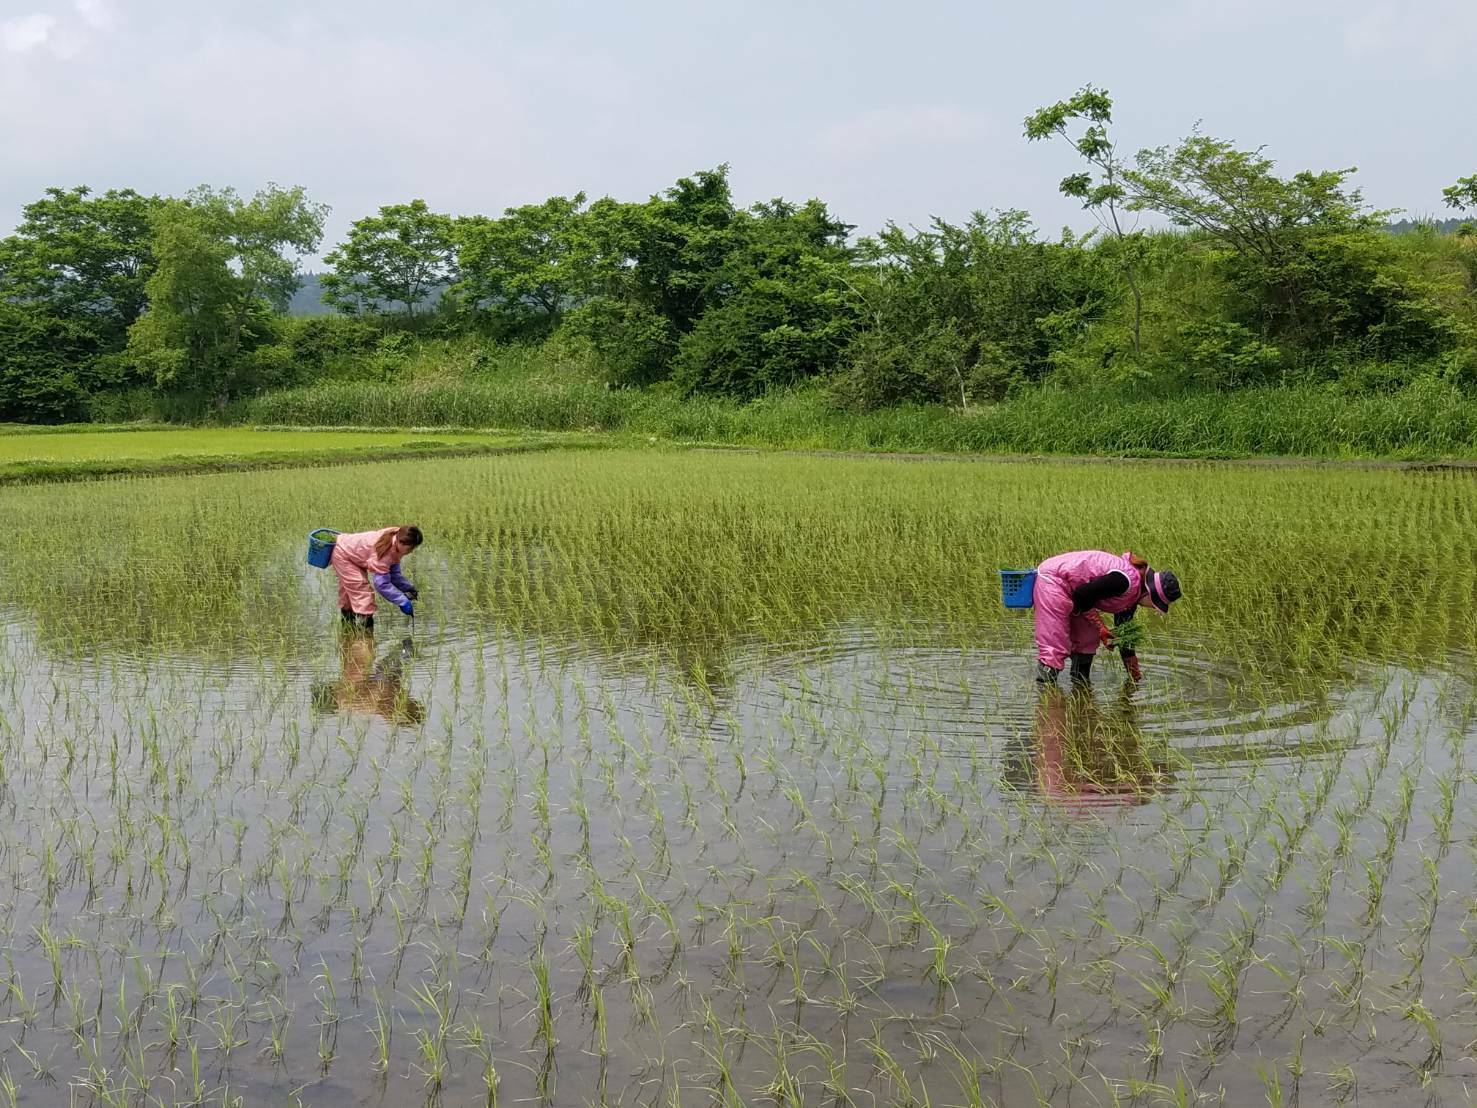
[1441,226]
[308,300]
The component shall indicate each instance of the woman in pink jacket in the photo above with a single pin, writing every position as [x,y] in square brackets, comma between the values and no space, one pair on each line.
[366,557]
[1072,590]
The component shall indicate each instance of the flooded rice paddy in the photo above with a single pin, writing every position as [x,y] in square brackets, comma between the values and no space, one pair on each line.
[719,779]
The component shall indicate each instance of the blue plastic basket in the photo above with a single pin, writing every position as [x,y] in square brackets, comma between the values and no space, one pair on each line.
[320,549]
[1018,587]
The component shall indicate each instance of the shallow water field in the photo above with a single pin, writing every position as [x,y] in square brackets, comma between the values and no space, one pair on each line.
[723,779]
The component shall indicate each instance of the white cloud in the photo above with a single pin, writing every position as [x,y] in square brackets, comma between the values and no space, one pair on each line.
[480,106]
[349,117]
[1430,32]
[1200,19]
[97,14]
[26,33]
[60,36]
[1438,32]
[885,129]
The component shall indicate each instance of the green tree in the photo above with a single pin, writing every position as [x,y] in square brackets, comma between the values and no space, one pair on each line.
[399,256]
[1235,197]
[224,265]
[959,313]
[1312,263]
[779,306]
[84,258]
[1102,188]
[1463,194]
[654,268]
[72,282]
[524,270]
[43,364]
[687,287]
[678,244]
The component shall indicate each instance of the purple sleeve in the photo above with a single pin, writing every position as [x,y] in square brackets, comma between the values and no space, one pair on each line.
[398,579]
[386,588]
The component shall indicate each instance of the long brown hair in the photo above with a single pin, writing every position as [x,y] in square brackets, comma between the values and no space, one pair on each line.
[409,536]
[1140,563]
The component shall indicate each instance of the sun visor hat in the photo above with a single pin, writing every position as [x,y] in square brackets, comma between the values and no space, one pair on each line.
[1164,589]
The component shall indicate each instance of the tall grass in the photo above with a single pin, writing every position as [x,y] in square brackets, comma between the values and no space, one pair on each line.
[1427,419]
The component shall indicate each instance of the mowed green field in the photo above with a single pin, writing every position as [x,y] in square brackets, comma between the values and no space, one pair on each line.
[207,442]
[711,778]
[76,453]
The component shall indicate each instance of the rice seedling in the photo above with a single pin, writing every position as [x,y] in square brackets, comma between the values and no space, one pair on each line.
[726,781]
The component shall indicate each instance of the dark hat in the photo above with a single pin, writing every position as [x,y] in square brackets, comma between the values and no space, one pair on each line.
[1164,588]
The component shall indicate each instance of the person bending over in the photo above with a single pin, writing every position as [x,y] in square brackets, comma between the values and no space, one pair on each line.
[368,562]
[1074,590]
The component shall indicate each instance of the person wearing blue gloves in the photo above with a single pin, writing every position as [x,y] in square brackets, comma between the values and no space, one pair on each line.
[373,557]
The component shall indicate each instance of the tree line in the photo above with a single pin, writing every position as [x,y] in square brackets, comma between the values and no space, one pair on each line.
[1255,277]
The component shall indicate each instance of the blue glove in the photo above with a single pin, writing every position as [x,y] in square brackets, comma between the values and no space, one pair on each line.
[407,609]
[412,592]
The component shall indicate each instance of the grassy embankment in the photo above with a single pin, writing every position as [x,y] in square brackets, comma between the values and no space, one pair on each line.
[1424,420]
[80,452]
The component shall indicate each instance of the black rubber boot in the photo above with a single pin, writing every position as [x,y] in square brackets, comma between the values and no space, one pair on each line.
[1081,669]
[355,622]
[1045,675]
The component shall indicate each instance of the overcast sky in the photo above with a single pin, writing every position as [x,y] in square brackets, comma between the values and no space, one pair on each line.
[886,110]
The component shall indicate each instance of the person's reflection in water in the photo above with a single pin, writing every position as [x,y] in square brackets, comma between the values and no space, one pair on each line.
[367,687]
[1087,756]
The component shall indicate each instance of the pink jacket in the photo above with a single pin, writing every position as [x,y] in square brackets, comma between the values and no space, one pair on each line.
[354,554]
[357,549]
[1080,566]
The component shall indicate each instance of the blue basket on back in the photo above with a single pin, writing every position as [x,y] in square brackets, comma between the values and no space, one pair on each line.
[1018,587]
[320,546]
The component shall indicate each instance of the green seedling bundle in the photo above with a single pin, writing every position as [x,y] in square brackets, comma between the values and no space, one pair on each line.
[1130,635]
[719,778]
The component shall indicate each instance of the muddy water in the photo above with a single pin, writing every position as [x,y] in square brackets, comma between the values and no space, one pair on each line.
[869,868]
